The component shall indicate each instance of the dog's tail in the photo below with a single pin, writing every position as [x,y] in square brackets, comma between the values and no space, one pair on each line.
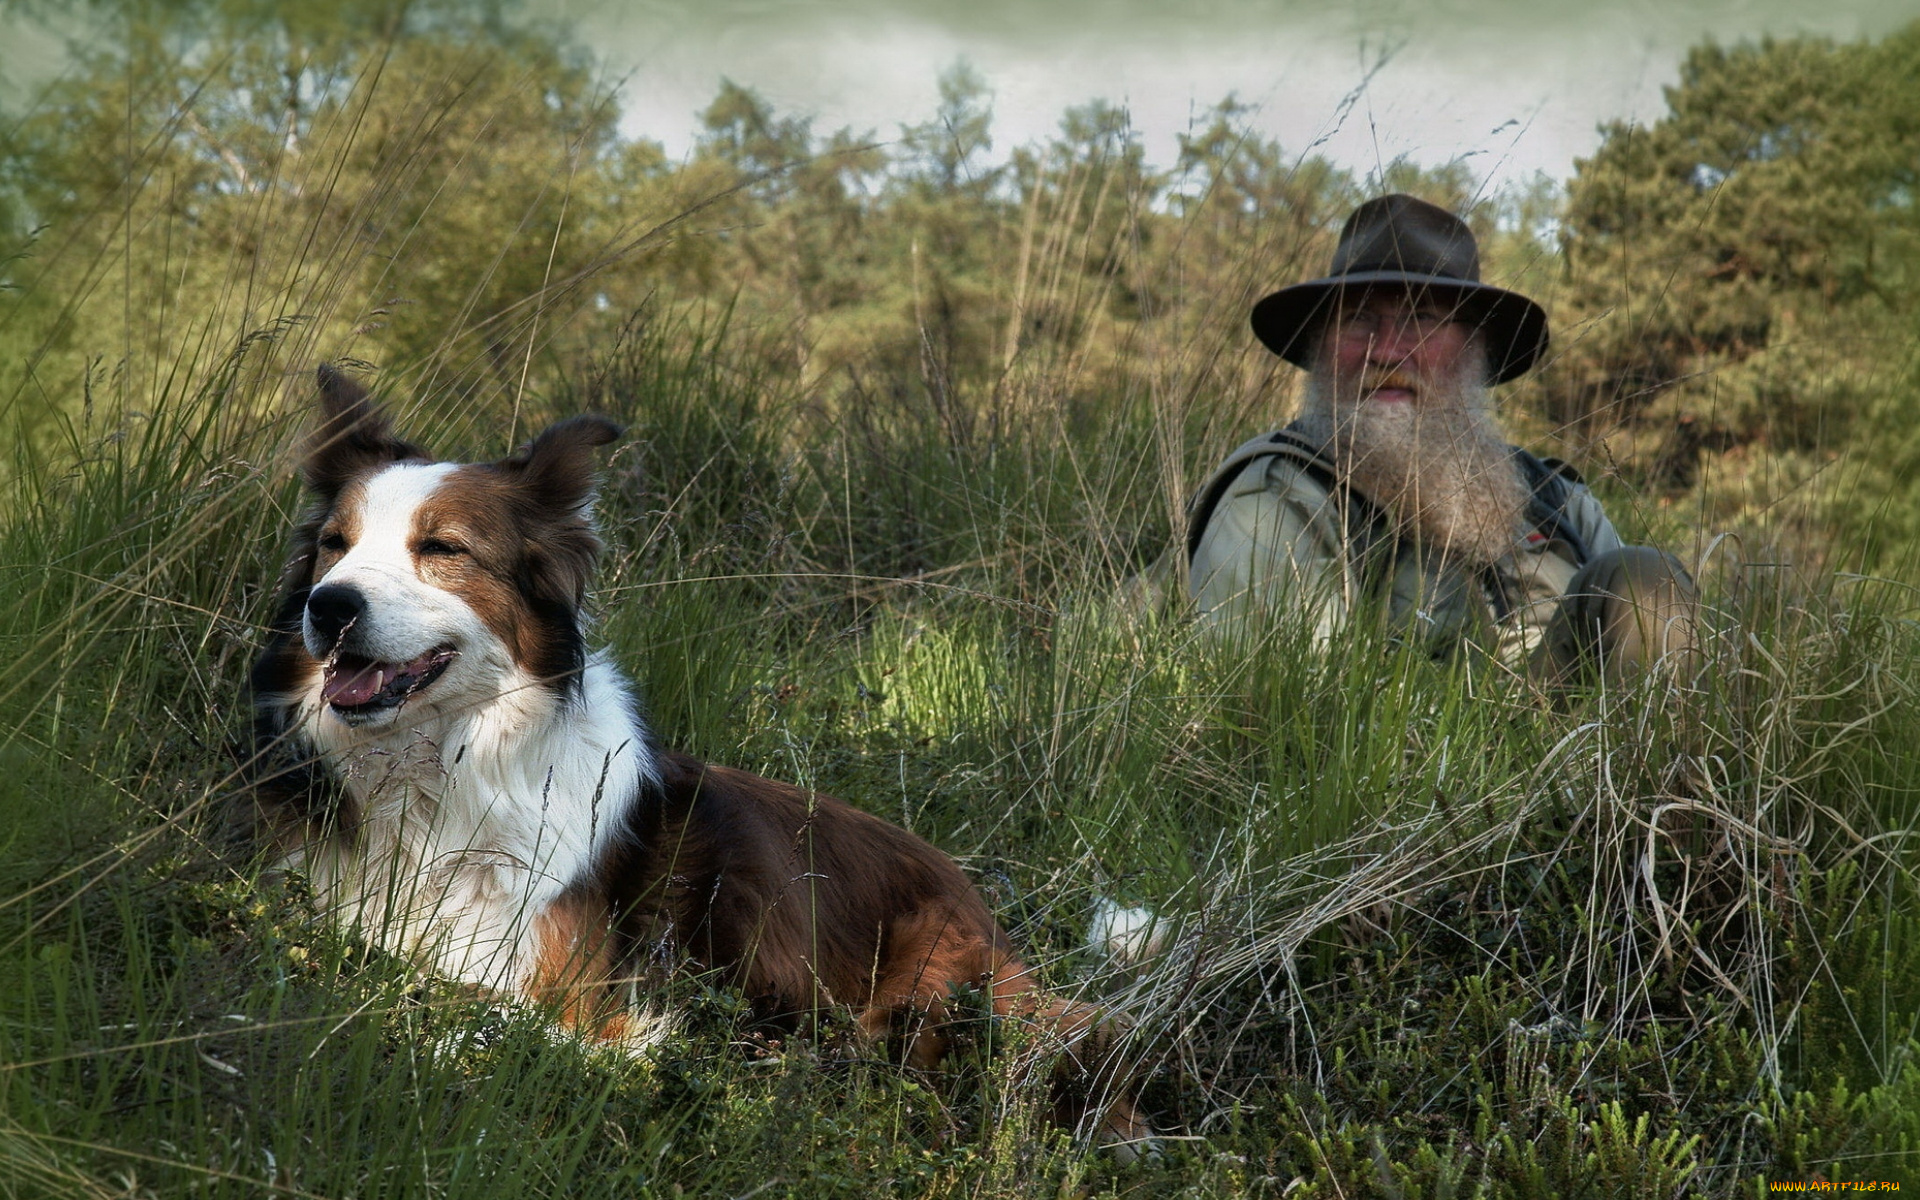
[1083,1051]
[1094,1072]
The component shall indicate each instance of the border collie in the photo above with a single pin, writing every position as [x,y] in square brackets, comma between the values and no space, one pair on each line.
[467,785]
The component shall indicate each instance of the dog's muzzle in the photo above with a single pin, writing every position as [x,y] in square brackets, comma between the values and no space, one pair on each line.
[354,685]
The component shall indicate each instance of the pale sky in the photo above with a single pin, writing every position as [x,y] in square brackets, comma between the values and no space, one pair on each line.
[1517,87]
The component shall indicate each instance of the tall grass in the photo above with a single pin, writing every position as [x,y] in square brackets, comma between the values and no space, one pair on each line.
[1399,898]
[1422,928]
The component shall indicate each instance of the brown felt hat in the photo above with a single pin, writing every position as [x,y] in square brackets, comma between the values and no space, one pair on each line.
[1402,241]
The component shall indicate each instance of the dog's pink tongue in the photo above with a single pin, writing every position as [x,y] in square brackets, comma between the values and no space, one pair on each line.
[351,688]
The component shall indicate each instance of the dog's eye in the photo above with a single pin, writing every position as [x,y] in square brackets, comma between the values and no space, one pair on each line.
[440,548]
[333,543]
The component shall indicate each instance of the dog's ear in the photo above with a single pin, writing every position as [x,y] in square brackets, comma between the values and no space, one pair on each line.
[554,477]
[353,435]
[557,466]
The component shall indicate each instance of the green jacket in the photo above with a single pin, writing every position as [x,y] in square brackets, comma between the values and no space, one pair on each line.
[1273,530]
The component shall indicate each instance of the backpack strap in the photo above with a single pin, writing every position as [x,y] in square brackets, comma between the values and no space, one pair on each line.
[1550,483]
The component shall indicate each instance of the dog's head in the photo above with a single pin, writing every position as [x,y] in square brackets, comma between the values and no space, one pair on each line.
[436,584]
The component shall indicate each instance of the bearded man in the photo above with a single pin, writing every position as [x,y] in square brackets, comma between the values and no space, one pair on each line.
[1394,491]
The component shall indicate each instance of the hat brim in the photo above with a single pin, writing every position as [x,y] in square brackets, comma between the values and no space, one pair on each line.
[1513,327]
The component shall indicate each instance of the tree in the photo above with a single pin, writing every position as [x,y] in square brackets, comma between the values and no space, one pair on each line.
[424,188]
[1738,271]
[945,154]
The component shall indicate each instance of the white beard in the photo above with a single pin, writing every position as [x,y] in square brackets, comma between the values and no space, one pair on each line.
[1440,466]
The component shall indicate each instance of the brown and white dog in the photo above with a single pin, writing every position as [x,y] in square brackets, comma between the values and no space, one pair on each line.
[466,784]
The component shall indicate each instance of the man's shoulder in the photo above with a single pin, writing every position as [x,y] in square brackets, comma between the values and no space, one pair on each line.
[1284,462]
[1284,454]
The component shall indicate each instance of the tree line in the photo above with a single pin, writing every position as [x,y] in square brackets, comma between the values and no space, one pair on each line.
[444,190]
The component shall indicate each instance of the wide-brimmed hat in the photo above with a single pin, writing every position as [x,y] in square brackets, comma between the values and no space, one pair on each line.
[1402,241]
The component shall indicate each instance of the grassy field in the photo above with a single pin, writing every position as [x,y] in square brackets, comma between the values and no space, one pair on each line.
[1425,930]
[1422,929]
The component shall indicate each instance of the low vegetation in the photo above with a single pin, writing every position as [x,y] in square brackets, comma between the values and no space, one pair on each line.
[1421,928]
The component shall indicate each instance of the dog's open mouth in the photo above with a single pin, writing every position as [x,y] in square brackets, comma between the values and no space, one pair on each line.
[352,684]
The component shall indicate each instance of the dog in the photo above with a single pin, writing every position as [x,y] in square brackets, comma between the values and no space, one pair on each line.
[467,784]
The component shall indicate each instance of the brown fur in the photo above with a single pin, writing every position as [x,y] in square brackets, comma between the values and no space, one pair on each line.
[576,960]
[803,901]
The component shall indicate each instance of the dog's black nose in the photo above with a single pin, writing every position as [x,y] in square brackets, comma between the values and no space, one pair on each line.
[332,608]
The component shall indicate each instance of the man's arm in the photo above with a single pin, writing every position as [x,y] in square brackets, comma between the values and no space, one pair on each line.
[1274,545]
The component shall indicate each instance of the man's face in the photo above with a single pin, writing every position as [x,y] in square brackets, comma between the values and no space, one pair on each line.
[1390,347]
[1398,396]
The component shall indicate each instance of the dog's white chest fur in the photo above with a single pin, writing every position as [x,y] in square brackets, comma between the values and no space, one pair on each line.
[472,823]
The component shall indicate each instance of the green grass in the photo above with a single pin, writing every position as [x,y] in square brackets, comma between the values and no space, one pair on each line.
[1428,931]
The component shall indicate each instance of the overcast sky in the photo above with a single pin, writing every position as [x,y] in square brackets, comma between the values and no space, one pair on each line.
[1513,86]
[1518,87]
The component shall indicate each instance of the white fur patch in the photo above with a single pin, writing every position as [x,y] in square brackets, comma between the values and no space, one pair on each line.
[1124,935]
[474,821]
[406,617]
